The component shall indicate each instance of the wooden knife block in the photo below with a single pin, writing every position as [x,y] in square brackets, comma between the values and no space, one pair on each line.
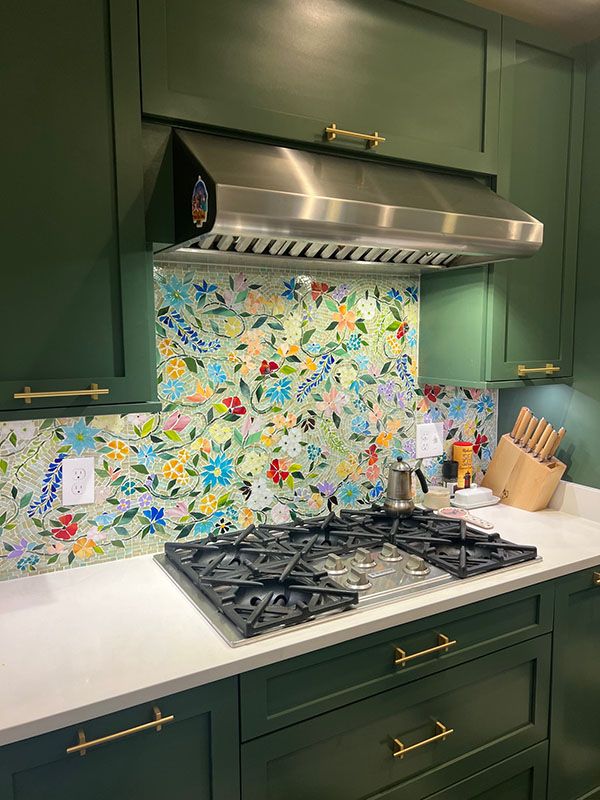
[519,479]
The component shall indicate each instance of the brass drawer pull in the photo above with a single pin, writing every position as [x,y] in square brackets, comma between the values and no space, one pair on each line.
[442,647]
[92,392]
[549,369]
[596,578]
[440,736]
[84,745]
[372,139]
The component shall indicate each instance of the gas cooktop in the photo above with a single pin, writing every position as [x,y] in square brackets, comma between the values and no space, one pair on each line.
[263,580]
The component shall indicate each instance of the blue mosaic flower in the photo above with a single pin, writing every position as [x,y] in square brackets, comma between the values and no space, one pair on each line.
[362,361]
[314,348]
[173,389]
[80,436]
[28,562]
[395,294]
[105,519]
[147,455]
[412,294]
[290,289]
[203,289]
[314,451]
[359,425]
[457,409]
[485,404]
[128,487]
[376,491]
[156,518]
[216,373]
[349,492]
[280,392]
[353,342]
[175,292]
[411,337]
[218,471]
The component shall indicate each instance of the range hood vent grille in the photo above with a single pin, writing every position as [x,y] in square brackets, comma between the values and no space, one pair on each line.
[302,248]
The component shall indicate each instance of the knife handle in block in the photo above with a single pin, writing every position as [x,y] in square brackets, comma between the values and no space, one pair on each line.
[528,431]
[547,449]
[517,424]
[543,439]
[525,419]
[559,438]
[536,434]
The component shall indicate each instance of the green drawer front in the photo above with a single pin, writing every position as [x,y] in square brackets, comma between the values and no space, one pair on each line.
[496,705]
[297,689]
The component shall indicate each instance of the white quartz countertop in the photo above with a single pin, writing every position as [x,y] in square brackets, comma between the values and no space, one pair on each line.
[90,641]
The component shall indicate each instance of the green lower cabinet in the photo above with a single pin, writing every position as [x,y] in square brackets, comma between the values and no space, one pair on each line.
[494,706]
[77,302]
[574,770]
[478,326]
[424,74]
[194,757]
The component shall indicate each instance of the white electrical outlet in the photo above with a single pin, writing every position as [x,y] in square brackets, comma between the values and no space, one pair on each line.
[430,440]
[77,481]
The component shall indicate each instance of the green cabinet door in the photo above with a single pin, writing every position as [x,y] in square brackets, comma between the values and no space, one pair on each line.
[574,770]
[193,757]
[424,74]
[495,707]
[479,325]
[76,302]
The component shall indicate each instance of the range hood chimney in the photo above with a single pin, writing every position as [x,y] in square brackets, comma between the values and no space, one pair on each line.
[256,200]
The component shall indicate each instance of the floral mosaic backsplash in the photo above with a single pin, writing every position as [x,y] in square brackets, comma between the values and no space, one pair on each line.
[283,396]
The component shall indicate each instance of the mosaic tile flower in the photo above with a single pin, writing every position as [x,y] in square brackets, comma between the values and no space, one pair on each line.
[283,396]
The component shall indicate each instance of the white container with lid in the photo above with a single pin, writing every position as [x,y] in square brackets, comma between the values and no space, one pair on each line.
[474,497]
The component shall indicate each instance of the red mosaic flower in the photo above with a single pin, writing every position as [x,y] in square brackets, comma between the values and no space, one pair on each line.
[402,330]
[318,289]
[277,471]
[68,529]
[234,404]
[431,392]
[480,441]
[268,367]
[372,453]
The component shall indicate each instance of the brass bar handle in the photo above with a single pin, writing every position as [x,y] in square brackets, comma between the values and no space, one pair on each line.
[440,736]
[371,139]
[156,724]
[549,369]
[27,395]
[401,658]
[596,578]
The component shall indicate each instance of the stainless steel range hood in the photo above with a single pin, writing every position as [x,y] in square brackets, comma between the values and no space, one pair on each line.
[255,200]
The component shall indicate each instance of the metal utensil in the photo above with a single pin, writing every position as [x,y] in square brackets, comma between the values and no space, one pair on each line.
[399,499]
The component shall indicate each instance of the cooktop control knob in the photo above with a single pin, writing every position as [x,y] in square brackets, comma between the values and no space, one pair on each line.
[334,565]
[363,559]
[414,565]
[389,552]
[358,580]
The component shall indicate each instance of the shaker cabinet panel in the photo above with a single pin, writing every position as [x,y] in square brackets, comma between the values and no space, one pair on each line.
[76,301]
[194,756]
[423,74]
[575,737]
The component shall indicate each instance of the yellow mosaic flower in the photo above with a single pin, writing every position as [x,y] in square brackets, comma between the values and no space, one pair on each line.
[309,363]
[384,439]
[175,368]
[165,347]
[183,455]
[269,436]
[343,469]
[118,450]
[316,501]
[84,548]
[469,429]
[208,504]
[394,344]
[174,470]
[232,327]
[246,517]
[254,462]
[220,432]
[284,420]
[202,444]
[285,350]
[394,425]
[201,394]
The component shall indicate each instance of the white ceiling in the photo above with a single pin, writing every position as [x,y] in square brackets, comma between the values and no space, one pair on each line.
[578,20]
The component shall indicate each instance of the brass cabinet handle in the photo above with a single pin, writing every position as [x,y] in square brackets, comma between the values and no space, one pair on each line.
[549,369]
[27,395]
[441,647]
[84,745]
[596,578]
[441,733]
[372,139]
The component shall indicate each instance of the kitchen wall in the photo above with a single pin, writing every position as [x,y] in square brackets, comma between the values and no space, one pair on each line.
[577,407]
[283,395]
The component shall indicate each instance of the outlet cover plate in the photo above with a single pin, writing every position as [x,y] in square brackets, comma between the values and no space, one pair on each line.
[78,481]
[430,440]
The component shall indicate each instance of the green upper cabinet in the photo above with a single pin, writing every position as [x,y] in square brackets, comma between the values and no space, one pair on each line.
[76,301]
[574,767]
[519,313]
[423,74]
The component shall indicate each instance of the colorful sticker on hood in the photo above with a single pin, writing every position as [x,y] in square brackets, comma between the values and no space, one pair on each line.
[199,203]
